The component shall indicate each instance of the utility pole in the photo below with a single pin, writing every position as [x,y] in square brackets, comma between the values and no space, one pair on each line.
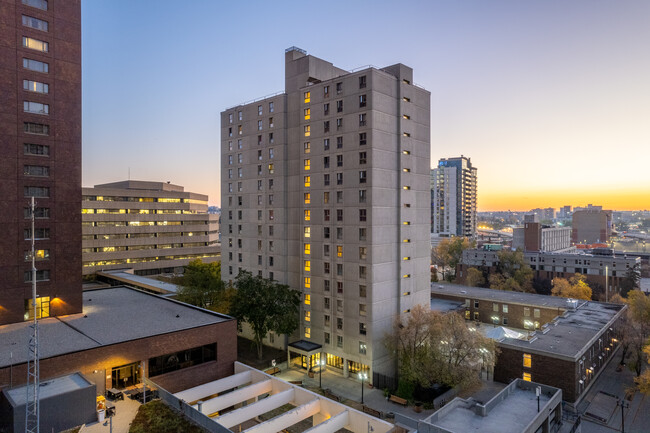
[32,416]
[606,285]
[624,405]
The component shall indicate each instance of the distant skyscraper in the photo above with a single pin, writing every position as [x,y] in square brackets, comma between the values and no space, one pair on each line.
[40,144]
[325,188]
[453,197]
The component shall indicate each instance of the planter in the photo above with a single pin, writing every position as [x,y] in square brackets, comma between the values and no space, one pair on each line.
[418,407]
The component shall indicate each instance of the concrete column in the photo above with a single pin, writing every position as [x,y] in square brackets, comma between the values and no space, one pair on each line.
[345,368]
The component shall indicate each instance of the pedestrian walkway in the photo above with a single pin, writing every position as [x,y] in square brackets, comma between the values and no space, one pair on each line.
[125,411]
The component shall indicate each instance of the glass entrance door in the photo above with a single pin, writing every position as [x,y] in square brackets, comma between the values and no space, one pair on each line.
[125,375]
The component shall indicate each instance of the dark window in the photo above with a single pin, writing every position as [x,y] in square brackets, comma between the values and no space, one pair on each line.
[36,128]
[339,106]
[183,359]
[36,149]
[362,82]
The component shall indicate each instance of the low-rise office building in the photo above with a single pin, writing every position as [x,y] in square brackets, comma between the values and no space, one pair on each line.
[572,343]
[150,227]
[533,236]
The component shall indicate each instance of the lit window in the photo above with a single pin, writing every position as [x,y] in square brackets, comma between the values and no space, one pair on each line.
[307,248]
[307,299]
[35,44]
[42,307]
[307,265]
[307,282]
[307,215]
[307,147]
[35,86]
[339,251]
[307,164]
[307,198]
[307,181]
[307,113]
[307,331]
[307,97]
[259,110]
[271,108]
[528,362]
[307,232]
[271,171]
[307,130]
[527,377]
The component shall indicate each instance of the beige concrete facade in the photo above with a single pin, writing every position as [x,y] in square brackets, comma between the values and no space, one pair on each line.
[146,226]
[335,202]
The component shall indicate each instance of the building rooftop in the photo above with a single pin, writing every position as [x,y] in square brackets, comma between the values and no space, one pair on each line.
[49,388]
[570,334]
[140,282]
[445,305]
[110,316]
[513,410]
[502,296]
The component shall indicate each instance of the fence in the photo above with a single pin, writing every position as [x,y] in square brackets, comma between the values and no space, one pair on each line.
[187,410]
[381,381]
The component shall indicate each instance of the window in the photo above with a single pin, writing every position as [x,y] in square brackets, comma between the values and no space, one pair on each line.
[271,167]
[307,113]
[39,233]
[36,128]
[307,181]
[326,91]
[307,147]
[35,86]
[326,144]
[42,307]
[259,125]
[528,363]
[339,123]
[476,316]
[339,233]
[327,338]
[307,215]
[307,265]
[339,177]
[362,233]
[326,179]
[326,162]
[36,149]
[326,109]
[307,198]
[362,347]
[326,126]
[526,312]
[326,197]
[339,323]
[362,274]
[36,170]
[270,234]
[362,119]
[39,213]
[339,251]
[505,308]
[339,272]
[339,340]
[339,88]
[362,176]
[307,232]
[495,307]
[41,275]
[38,255]
[339,215]
[362,82]
[259,110]
[307,249]
[326,250]
[527,377]
[39,4]
[536,313]
[326,232]
[339,160]
[34,23]
[362,101]
[326,267]
[240,158]
[36,191]
[362,309]
[363,253]
[35,65]
[362,215]
[326,215]
[307,164]
[362,158]
[35,44]
[307,97]
[230,119]
[307,281]
[339,106]
[240,172]
[271,107]
[240,131]
[240,115]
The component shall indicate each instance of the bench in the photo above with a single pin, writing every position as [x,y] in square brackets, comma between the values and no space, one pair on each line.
[272,371]
[296,382]
[371,411]
[331,396]
[398,400]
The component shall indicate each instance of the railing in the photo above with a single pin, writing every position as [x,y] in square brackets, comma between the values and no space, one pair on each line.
[256,100]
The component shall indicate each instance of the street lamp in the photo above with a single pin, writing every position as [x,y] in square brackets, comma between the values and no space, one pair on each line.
[362,376]
[624,405]
[321,363]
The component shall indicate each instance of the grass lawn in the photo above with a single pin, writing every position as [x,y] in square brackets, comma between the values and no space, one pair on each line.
[156,417]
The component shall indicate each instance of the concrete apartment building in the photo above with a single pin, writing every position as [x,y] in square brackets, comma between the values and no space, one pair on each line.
[599,270]
[325,187]
[150,227]
[533,236]
[453,197]
[40,143]
[568,344]
[592,226]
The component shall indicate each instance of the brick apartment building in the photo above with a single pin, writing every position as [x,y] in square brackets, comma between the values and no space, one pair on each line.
[40,143]
[568,343]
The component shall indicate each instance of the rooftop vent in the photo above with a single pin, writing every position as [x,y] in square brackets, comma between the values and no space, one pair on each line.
[572,304]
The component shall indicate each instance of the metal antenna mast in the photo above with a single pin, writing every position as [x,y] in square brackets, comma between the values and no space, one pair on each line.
[32,416]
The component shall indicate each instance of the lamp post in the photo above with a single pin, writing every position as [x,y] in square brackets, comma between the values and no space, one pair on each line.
[362,376]
[624,405]
[321,364]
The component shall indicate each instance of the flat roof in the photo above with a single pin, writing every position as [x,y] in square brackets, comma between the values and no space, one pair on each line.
[503,296]
[445,305]
[513,409]
[572,333]
[49,388]
[141,282]
[111,315]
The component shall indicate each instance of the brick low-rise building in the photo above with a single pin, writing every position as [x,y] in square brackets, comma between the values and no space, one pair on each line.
[572,341]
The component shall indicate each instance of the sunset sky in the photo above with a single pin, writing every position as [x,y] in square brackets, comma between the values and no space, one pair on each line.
[550,99]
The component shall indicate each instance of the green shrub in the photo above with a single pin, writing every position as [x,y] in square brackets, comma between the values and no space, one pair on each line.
[405,389]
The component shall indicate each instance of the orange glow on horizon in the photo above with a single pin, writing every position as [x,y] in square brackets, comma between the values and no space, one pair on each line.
[627,200]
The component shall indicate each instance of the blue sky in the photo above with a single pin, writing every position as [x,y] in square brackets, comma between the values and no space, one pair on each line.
[550,99]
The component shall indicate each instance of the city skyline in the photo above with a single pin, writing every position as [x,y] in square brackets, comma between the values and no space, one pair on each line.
[548,98]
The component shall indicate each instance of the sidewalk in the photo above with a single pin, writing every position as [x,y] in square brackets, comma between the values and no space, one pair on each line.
[125,411]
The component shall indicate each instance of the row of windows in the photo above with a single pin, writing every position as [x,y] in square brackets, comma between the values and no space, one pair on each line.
[35,23]
[339,89]
[339,124]
[148,259]
[144,223]
[144,247]
[260,111]
[39,4]
[363,102]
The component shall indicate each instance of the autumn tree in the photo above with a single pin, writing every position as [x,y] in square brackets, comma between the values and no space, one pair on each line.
[201,285]
[474,277]
[266,306]
[631,279]
[637,333]
[448,254]
[513,273]
[433,347]
[575,287]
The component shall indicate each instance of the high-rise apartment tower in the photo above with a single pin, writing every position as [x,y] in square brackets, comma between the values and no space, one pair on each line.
[40,143]
[453,197]
[325,187]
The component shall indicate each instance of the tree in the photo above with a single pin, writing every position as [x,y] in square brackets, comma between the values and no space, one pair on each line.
[448,254]
[631,280]
[637,333]
[575,287]
[201,285]
[513,273]
[433,347]
[266,306]
[474,277]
